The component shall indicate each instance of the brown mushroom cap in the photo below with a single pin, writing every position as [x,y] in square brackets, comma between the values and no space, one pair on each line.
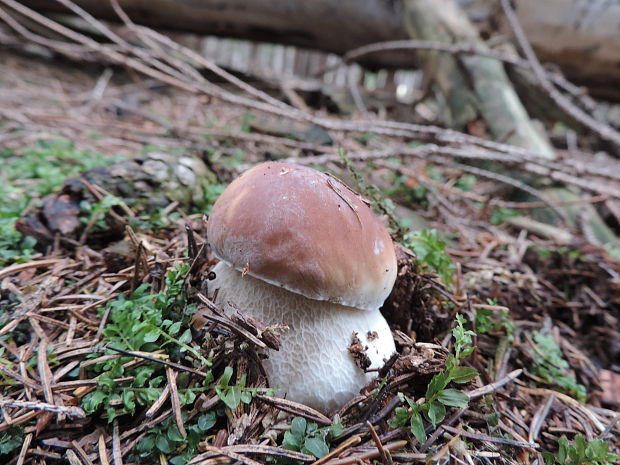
[298,228]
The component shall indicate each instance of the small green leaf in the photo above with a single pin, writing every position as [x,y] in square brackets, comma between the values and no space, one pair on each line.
[147,443]
[186,337]
[436,413]
[453,398]
[462,374]
[451,362]
[128,401]
[163,444]
[11,439]
[316,447]
[187,397]
[417,427]
[206,421]
[231,397]
[599,450]
[174,434]
[563,449]
[93,401]
[174,328]
[178,460]
[246,397]
[467,351]
[311,427]
[298,427]
[549,458]
[438,383]
[580,447]
[400,418]
[336,429]
[411,402]
[152,335]
[228,372]
[291,442]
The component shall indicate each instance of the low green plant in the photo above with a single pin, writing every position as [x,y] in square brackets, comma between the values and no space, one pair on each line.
[405,192]
[246,122]
[96,211]
[212,192]
[494,321]
[148,321]
[11,439]
[145,321]
[569,252]
[30,175]
[438,396]
[501,214]
[466,182]
[305,436]
[233,395]
[581,452]
[166,439]
[430,250]
[550,365]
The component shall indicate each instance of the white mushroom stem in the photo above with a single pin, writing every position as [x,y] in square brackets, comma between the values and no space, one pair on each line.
[313,365]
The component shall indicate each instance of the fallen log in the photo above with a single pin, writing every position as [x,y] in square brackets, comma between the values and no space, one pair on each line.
[580,37]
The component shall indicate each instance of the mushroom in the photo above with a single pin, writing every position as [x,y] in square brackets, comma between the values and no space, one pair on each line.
[298,248]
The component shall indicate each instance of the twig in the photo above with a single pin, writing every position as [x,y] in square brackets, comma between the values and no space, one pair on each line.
[25,266]
[24,449]
[385,457]
[352,441]
[489,388]
[72,458]
[226,322]
[371,454]
[81,453]
[567,400]
[161,400]
[174,400]
[487,438]
[103,453]
[117,456]
[295,408]
[233,455]
[72,411]
[455,49]
[45,374]
[439,431]
[539,417]
[176,366]
[258,449]
[273,106]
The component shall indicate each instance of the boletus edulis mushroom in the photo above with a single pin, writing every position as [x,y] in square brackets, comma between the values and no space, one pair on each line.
[298,248]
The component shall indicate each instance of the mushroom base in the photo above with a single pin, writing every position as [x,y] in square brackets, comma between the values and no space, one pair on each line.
[314,365]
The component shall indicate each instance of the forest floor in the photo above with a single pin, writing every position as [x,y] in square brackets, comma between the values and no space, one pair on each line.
[507,328]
